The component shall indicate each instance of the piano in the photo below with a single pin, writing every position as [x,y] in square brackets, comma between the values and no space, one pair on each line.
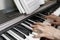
[18,27]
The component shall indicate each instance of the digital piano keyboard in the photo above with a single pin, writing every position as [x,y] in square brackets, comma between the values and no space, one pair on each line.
[20,28]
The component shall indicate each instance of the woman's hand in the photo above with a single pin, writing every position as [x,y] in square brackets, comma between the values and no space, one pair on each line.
[44,30]
[56,19]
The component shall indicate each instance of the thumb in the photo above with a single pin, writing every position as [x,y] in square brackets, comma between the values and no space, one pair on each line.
[43,35]
[46,35]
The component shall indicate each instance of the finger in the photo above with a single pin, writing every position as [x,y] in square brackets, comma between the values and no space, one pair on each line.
[37,22]
[33,26]
[46,35]
[50,17]
[37,31]
[36,36]
[46,16]
[40,24]
[43,35]
[56,23]
[47,23]
[38,27]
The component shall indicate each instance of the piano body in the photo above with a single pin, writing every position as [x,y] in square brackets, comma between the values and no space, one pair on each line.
[18,27]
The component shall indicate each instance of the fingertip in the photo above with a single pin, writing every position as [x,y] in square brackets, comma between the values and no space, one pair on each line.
[33,25]
[46,17]
[38,22]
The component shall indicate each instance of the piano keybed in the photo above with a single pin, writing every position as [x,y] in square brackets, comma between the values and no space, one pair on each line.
[23,30]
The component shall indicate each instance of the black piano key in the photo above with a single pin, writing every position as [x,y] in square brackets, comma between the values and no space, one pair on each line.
[22,29]
[39,18]
[9,36]
[29,21]
[2,38]
[33,18]
[29,30]
[41,15]
[28,24]
[18,33]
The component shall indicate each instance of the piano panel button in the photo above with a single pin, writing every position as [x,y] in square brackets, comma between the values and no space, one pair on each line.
[14,35]
[5,37]
[22,29]
[9,36]
[18,33]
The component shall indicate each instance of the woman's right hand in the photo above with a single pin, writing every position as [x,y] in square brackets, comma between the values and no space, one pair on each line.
[43,30]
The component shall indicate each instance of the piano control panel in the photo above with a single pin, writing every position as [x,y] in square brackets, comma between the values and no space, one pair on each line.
[22,30]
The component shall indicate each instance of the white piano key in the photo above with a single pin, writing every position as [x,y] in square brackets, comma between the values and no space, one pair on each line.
[22,33]
[30,37]
[31,21]
[57,12]
[19,31]
[5,37]
[26,25]
[14,35]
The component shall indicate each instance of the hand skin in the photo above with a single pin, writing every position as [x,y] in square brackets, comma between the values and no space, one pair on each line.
[56,19]
[47,31]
